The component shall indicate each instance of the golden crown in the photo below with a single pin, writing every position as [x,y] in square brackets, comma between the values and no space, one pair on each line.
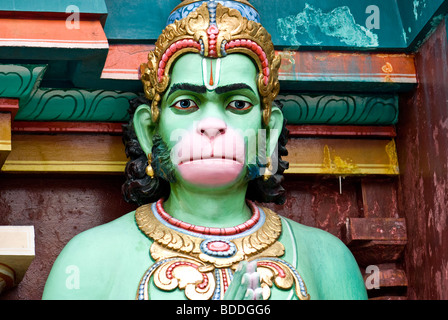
[212,30]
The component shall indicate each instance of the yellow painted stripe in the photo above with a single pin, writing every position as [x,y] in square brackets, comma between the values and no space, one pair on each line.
[64,166]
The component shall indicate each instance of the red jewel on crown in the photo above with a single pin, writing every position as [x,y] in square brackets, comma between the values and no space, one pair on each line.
[212,33]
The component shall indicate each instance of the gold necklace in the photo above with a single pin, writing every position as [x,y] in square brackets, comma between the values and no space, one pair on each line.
[203,265]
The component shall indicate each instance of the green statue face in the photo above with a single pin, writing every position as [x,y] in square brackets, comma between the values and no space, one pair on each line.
[211,121]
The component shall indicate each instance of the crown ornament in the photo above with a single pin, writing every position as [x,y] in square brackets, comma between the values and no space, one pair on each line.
[213,29]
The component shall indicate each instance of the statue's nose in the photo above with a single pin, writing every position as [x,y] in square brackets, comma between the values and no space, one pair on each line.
[211,127]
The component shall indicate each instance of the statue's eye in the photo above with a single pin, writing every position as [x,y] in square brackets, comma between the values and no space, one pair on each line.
[186,104]
[239,105]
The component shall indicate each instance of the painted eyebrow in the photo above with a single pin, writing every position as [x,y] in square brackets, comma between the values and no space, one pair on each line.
[187,87]
[233,87]
[203,89]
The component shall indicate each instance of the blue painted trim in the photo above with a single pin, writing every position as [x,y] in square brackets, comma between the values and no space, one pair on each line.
[246,11]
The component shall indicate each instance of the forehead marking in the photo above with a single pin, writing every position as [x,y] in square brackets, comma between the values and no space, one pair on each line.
[210,76]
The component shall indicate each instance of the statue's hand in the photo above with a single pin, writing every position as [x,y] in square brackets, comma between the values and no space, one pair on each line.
[245,284]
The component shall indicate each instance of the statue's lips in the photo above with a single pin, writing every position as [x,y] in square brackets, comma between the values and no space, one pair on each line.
[212,160]
[210,171]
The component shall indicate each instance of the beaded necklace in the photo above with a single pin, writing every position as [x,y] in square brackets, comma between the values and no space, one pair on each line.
[211,231]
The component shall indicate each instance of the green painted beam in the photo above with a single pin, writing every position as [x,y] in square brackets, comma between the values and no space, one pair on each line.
[75,105]
[347,109]
[20,81]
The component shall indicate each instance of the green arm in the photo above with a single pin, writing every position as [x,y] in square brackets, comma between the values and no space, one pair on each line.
[340,277]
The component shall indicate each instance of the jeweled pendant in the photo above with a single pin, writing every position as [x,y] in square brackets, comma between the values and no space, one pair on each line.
[218,248]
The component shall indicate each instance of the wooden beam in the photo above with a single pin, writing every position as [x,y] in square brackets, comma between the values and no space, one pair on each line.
[86,149]
[66,127]
[346,71]
[123,61]
[375,229]
[375,240]
[342,156]
[66,153]
[8,110]
[298,131]
[52,33]
[300,70]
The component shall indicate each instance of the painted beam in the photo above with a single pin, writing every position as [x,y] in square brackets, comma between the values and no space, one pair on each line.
[342,157]
[75,105]
[8,111]
[84,6]
[104,153]
[83,153]
[123,61]
[113,128]
[51,33]
[9,106]
[300,70]
[343,71]
[5,136]
[340,109]
[302,131]
[83,49]
[20,80]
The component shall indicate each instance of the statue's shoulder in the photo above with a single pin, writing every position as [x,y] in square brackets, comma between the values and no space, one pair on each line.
[103,240]
[118,230]
[89,259]
[340,276]
[312,236]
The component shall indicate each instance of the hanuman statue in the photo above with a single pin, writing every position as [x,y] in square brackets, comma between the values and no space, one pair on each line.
[205,146]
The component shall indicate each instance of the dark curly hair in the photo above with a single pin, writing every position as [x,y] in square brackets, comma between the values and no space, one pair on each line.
[140,189]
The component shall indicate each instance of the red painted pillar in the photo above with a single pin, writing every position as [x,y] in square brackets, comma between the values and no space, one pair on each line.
[422,144]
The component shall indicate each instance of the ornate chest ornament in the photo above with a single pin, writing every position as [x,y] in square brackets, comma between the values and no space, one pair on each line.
[201,260]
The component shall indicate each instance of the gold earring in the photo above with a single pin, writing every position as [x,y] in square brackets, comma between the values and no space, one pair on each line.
[267,171]
[149,170]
